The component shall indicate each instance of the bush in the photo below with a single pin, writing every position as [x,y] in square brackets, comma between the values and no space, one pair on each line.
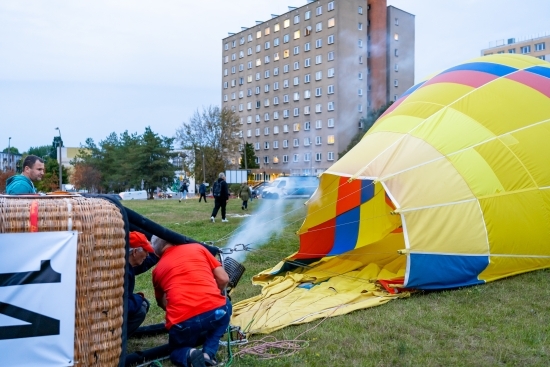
[234,188]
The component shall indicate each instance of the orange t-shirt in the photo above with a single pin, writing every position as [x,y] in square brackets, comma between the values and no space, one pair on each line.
[184,273]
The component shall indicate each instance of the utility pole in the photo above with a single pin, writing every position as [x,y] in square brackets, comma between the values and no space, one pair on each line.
[9,153]
[203,166]
[60,169]
[245,160]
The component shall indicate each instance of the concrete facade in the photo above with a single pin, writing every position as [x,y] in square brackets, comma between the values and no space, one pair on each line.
[534,46]
[301,81]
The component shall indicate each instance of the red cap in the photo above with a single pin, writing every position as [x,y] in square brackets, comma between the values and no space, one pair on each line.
[139,240]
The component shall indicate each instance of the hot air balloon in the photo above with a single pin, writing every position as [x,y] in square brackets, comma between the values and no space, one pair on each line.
[449,188]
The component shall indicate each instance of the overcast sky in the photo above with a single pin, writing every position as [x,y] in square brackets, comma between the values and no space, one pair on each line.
[96,67]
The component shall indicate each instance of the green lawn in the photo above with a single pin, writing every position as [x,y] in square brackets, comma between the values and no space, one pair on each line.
[504,323]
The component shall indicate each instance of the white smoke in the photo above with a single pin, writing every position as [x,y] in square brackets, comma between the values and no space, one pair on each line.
[268,221]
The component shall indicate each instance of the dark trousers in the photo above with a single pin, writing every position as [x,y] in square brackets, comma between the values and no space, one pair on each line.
[208,326]
[202,196]
[219,203]
[245,204]
[136,319]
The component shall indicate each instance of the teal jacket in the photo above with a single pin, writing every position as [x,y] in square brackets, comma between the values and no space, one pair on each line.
[19,184]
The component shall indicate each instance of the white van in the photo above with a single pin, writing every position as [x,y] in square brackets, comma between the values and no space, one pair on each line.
[133,195]
[291,187]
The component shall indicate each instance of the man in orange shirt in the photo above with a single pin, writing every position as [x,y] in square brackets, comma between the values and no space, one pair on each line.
[188,284]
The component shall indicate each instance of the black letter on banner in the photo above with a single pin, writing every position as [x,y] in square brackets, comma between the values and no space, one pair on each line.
[40,325]
[45,275]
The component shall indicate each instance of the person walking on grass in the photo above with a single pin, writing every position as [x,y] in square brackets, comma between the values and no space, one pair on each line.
[221,196]
[202,191]
[245,194]
[184,190]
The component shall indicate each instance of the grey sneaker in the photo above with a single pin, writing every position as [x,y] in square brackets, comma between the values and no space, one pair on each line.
[225,220]
[213,220]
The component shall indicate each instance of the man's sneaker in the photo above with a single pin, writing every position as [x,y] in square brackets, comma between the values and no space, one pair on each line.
[179,200]
[213,220]
[225,220]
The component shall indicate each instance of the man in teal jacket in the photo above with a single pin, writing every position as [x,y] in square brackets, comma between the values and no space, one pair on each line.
[33,170]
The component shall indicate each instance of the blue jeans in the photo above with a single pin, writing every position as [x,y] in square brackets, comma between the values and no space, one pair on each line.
[206,328]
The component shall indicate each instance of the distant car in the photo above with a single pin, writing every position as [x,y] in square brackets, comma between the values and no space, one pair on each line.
[291,187]
[133,195]
[258,188]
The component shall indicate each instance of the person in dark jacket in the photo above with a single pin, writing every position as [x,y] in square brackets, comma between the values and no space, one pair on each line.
[202,191]
[33,170]
[221,196]
[142,257]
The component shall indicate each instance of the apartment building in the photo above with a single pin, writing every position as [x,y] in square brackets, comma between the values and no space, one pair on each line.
[301,81]
[538,46]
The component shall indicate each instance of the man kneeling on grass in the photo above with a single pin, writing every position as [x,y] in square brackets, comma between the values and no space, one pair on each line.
[188,284]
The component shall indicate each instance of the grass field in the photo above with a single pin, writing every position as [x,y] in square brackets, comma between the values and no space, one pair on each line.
[504,323]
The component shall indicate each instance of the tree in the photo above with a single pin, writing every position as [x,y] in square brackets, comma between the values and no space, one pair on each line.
[250,157]
[11,150]
[50,180]
[210,136]
[4,175]
[86,177]
[366,123]
[42,151]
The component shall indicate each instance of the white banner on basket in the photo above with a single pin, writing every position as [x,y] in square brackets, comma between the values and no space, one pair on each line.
[37,298]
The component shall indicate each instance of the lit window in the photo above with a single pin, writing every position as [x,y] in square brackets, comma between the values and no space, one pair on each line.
[319,27]
[330,122]
[258,34]
[258,62]
[296,19]
[331,23]
[296,34]
[396,37]
[276,28]
[286,53]
[286,23]
[267,31]
[275,158]
[330,139]
[249,79]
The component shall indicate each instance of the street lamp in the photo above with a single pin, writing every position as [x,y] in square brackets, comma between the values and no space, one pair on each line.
[60,172]
[245,160]
[9,153]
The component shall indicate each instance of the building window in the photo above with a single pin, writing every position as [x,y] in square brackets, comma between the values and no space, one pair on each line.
[330,90]
[249,133]
[396,67]
[225,97]
[307,47]
[360,26]
[318,157]
[296,113]
[285,98]
[249,38]
[319,27]
[395,97]
[319,124]
[267,31]
[307,142]
[307,157]
[396,37]
[318,43]
[258,76]
[226,46]
[296,142]
[360,10]
[285,68]
[330,6]
[330,139]
[318,108]
[296,157]
[360,76]
[276,86]
[233,96]
[396,52]
[330,39]
[286,23]
[249,90]
[360,59]
[307,31]
[286,38]
[241,67]
[540,46]
[267,45]
[330,122]
[296,50]
[276,42]
[266,59]
[307,126]
[257,159]
[307,94]
[330,106]
[276,100]
[330,56]
[275,71]
[307,15]
[330,156]
[286,53]
[226,59]
[249,65]
[258,62]
[512,51]
[257,90]
[318,75]
[285,142]
[225,73]
[249,106]
[249,119]
[360,43]
[330,72]
[318,92]
[258,34]
[258,104]
[296,96]
[359,108]
[306,110]
[257,132]
[285,115]
[233,43]
[360,92]
[275,142]
[275,131]
[319,10]
[285,158]
[318,59]
[276,57]
[331,23]
[266,159]
[297,19]
[307,62]
[396,21]
[318,140]
[276,27]
[285,83]
[297,34]
[266,132]
[395,83]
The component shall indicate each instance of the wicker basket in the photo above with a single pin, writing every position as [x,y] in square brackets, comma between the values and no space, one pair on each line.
[100,265]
